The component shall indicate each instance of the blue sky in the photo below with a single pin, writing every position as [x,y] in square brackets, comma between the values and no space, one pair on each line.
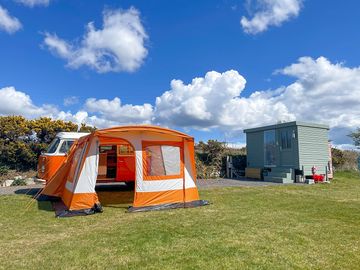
[302,57]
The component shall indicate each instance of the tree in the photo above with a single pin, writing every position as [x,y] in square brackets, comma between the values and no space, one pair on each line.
[356,137]
[85,128]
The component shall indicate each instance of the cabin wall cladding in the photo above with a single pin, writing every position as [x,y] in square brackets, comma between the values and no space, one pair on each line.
[313,148]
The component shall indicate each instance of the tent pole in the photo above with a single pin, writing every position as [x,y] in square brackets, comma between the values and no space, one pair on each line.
[183,168]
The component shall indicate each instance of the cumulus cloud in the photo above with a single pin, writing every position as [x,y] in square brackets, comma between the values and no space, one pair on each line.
[8,23]
[321,92]
[114,111]
[32,3]
[270,13]
[17,102]
[118,46]
[97,112]
[214,101]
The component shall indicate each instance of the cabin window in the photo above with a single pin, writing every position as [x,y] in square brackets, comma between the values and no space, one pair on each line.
[65,147]
[162,160]
[285,136]
[53,146]
[269,148]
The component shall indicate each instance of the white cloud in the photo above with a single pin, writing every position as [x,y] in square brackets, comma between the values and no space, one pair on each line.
[270,13]
[214,101]
[114,111]
[32,3]
[16,102]
[236,145]
[118,46]
[68,101]
[322,92]
[100,113]
[8,23]
[58,46]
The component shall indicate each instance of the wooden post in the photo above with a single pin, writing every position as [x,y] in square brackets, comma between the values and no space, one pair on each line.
[326,174]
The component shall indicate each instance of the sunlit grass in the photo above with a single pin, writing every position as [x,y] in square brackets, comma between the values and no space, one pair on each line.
[286,227]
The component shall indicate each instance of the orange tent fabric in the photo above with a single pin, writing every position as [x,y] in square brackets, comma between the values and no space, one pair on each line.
[165,171]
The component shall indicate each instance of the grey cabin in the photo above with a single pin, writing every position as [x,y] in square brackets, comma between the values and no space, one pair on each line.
[285,150]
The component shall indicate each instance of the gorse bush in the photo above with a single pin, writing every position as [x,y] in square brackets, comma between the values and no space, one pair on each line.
[344,160]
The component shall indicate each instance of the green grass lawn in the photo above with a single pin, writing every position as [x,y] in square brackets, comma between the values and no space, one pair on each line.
[281,227]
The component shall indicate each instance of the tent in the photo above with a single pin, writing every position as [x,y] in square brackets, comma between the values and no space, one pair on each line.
[164,170]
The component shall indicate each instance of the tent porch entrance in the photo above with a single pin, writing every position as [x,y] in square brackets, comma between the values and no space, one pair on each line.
[116,162]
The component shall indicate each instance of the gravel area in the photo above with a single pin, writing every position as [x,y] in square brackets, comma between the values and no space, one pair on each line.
[201,183]
[224,182]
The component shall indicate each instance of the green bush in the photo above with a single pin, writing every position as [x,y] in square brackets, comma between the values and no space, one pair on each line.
[209,159]
[19,182]
[205,171]
[4,170]
[344,160]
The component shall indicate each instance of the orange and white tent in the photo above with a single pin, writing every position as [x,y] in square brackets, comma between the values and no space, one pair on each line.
[164,167]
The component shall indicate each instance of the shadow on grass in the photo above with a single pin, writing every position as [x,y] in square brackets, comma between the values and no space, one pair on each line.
[28,191]
[43,202]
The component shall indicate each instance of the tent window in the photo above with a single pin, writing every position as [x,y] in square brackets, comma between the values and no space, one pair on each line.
[162,160]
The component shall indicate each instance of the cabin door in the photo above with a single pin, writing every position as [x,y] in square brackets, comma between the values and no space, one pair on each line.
[125,163]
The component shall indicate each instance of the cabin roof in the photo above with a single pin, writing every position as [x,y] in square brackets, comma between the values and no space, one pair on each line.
[287,124]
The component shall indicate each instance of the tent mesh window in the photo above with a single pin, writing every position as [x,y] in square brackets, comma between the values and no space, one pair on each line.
[162,160]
